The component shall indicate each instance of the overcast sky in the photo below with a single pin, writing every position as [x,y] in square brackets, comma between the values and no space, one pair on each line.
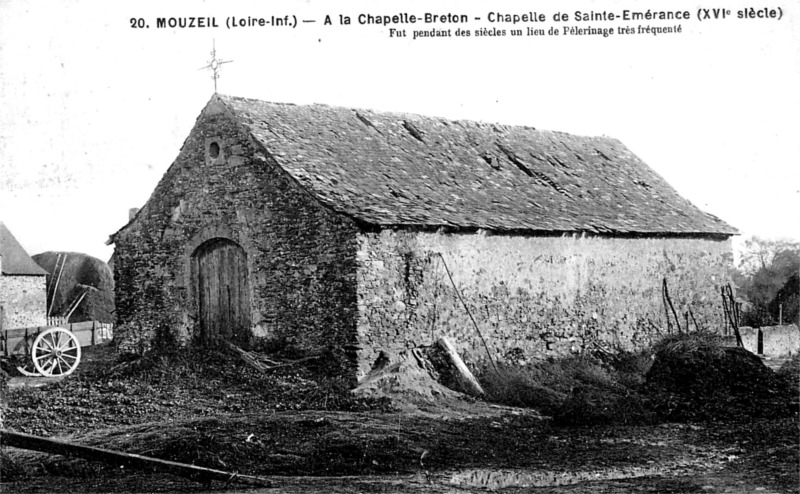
[94,111]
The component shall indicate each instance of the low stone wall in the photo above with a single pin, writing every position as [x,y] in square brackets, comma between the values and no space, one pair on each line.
[543,296]
[749,339]
[23,300]
[781,340]
[776,341]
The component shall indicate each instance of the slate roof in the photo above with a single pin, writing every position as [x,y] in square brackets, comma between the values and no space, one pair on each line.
[13,258]
[390,169]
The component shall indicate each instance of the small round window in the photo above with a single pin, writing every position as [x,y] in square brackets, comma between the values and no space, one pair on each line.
[213,150]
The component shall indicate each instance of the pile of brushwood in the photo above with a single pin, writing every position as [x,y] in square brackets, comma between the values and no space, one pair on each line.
[688,377]
[696,378]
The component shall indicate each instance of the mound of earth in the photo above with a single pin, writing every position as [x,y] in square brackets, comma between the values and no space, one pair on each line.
[410,383]
[407,378]
[699,378]
[80,273]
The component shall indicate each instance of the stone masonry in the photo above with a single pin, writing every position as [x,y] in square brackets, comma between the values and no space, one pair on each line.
[23,293]
[300,256]
[345,223]
[23,301]
[546,296]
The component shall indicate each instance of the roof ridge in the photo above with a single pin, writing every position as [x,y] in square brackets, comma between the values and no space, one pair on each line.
[397,113]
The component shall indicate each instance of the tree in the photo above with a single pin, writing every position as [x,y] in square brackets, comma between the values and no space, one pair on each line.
[758,253]
[787,301]
[764,277]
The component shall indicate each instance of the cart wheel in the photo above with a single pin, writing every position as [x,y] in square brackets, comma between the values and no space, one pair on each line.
[24,359]
[56,352]
[27,369]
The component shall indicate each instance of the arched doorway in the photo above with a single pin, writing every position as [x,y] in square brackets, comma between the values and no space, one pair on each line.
[222,291]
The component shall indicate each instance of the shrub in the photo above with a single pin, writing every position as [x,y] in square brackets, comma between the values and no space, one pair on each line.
[521,387]
[574,390]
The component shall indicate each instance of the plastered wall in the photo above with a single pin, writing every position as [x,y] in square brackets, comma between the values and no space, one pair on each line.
[776,341]
[545,296]
[23,301]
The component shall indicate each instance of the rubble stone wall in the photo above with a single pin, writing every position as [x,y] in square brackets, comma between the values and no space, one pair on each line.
[545,296]
[317,282]
[23,300]
[300,256]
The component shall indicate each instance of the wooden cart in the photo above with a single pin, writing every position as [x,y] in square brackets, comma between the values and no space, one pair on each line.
[50,351]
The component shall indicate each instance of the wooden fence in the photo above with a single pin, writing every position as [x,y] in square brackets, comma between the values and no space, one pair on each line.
[57,321]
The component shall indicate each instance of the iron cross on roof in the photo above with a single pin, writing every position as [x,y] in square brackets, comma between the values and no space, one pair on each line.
[214,64]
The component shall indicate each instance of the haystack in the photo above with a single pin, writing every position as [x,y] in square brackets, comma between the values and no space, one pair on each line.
[81,274]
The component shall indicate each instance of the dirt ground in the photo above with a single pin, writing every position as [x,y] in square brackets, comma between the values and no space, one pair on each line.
[305,435]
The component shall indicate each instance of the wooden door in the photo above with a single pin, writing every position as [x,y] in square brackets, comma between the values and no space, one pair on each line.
[223,292]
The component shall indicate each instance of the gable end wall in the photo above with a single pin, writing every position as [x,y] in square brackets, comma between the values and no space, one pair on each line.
[300,256]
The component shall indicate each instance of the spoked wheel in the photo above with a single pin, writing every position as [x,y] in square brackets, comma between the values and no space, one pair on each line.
[27,368]
[23,357]
[56,352]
